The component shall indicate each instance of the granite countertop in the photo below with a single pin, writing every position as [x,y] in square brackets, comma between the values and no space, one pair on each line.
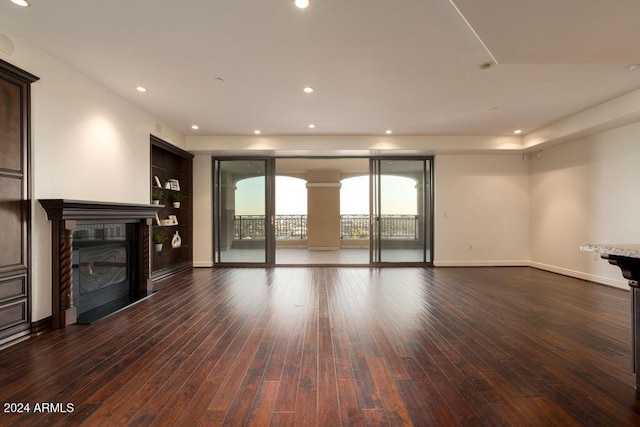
[630,251]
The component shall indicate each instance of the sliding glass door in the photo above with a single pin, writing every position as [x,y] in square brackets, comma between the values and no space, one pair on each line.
[246,225]
[243,206]
[401,210]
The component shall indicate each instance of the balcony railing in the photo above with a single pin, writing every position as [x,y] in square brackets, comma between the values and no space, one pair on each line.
[248,226]
[354,227]
[253,226]
[399,227]
[291,227]
[391,227]
[351,227]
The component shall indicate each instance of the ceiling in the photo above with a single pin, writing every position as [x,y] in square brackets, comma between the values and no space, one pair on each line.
[410,66]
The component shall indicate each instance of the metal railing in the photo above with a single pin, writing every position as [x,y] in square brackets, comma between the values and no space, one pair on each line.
[351,227]
[354,226]
[253,227]
[249,227]
[391,226]
[399,227]
[291,227]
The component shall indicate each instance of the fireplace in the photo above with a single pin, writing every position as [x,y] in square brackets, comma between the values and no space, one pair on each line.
[103,262]
[100,258]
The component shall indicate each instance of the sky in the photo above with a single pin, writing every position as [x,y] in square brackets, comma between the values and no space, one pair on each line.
[398,196]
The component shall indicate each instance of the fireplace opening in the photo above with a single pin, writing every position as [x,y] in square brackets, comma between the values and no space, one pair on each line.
[104,263]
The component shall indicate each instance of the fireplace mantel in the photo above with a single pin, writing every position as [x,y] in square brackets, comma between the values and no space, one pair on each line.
[62,209]
[64,215]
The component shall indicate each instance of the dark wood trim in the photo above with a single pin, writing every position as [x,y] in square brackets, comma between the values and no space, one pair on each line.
[175,163]
[62,209]
[18,73]
[67,310]
[170,147]
[64,215]
[41,326]
[170,271]
[21,109]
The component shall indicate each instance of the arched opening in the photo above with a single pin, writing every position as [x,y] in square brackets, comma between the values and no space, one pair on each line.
[291,209]
[354,195]
[354,210]
[249,196]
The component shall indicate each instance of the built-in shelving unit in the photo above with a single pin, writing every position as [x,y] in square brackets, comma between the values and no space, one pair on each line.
[172,167]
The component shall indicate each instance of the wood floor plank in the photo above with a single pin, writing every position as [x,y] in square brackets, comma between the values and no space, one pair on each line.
[307,396]
[253,354]
[287,392]
[215,383]
[430,395]
[366,386]
[417,410]
[239,411]
[344,368]
[350,412]
[166,381]
[394,407]
[327,346]
[264,402]
[328,406]
[173,398]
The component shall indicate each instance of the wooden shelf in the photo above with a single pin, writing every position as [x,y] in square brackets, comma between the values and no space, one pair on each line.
[170,162]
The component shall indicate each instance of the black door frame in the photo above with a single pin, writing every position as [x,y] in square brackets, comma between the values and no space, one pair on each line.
[374,242]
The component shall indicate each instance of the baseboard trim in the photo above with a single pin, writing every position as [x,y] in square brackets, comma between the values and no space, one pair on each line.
[490,263]
[202,264]
[41,326]
[616,283]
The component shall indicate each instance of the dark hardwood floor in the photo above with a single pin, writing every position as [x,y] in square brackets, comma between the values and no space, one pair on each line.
[339,346]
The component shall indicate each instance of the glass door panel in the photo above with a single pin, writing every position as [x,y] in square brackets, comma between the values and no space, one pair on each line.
[401,206]
[374,211]
[243,227]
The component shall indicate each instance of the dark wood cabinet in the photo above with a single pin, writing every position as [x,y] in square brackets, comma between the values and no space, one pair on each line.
[15,213]
[172,168]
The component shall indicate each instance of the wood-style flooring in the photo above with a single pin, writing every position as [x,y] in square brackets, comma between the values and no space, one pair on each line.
[338,346]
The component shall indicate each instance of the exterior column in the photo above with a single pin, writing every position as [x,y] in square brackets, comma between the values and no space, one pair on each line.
[323,210]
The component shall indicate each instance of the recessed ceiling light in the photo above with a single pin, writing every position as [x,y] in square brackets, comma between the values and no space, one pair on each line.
[312,126]
[257,132]
[302,4]
[633,67]
[195,127]
[517,131]
[23,3]
[389,132]
[308,89]
[141,89]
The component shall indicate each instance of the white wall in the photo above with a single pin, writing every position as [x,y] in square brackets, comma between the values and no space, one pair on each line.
[87,143]
[481,210]
[585,191]
[202,211]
